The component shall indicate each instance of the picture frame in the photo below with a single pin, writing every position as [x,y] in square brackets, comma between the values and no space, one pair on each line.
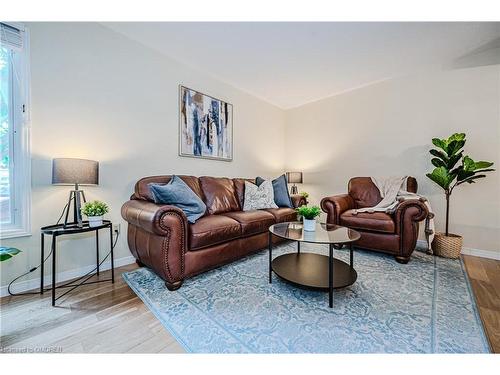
[205,126]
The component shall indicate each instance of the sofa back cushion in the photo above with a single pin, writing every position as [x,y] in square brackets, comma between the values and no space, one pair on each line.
[411,185]
[239,186]
[179,194]
[142,190]
[220,194]
[365,194]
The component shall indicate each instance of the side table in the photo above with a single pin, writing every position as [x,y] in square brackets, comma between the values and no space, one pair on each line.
[59,230]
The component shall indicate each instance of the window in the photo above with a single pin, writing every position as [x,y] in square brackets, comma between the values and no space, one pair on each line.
[15,176]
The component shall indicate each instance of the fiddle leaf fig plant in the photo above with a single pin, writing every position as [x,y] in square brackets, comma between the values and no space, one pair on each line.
[453,168]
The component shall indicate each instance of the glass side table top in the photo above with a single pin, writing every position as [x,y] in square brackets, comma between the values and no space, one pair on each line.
[324,233]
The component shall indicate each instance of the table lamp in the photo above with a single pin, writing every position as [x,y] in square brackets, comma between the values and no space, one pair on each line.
[294,178]
[69,171]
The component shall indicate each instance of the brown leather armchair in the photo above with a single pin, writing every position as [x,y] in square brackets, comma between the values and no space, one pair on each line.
[393,233]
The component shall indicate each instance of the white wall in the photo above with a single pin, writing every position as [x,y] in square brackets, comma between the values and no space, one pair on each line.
[386,129]
[98,95]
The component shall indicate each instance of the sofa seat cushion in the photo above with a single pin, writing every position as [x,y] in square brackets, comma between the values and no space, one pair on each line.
[211,230]
[283,214]
[374,221]
[252,222]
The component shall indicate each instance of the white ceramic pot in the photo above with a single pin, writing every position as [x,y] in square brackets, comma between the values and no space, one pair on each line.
[95,221]
[309,225]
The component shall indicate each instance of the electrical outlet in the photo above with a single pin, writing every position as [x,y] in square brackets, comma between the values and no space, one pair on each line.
[116,228]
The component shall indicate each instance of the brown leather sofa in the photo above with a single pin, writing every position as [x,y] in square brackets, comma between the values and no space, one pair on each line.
[394,233]
[161,238]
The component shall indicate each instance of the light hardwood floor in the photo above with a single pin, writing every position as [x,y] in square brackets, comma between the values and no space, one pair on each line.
[107,318]
[97,318]
[484,275]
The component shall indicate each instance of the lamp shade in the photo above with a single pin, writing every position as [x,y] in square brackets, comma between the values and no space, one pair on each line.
[75,171]
[294,177]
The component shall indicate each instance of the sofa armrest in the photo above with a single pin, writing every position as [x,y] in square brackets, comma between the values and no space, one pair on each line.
[151,217]
[407,215]
[157,237]
[335,205]
[408,211]
[298,200]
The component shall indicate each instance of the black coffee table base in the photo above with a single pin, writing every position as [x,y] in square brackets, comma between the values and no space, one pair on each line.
[310,271]
[313,271]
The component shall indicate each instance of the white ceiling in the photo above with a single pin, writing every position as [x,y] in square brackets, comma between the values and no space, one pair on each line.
[289,64]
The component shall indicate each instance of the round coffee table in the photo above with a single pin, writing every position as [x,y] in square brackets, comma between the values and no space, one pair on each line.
[309,270]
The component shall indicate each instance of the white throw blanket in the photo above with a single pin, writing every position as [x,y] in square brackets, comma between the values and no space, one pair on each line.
[393,191]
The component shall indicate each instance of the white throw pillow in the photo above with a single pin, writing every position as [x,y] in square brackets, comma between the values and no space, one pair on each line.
[259,197]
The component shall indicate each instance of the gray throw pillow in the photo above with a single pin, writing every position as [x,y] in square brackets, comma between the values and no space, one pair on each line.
[280,187]
[179,194]
[258,197]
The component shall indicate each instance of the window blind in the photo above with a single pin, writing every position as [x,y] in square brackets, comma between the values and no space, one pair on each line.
[11,37]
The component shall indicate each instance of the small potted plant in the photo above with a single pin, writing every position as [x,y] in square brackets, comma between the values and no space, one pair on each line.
[305,195]
[309,215]
[95,211]
[448,175]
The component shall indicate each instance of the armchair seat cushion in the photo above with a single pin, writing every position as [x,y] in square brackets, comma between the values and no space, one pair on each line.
[283,214]
[372,221]
[211,230]
[252,222]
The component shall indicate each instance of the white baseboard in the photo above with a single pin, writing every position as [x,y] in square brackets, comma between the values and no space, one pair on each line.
[481,253]
[490,254]
[34,283]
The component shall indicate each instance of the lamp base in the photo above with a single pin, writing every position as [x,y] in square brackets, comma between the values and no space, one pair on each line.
[294,190]
[75,196]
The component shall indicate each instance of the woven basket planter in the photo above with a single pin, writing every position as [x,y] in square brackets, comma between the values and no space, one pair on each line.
[447,246]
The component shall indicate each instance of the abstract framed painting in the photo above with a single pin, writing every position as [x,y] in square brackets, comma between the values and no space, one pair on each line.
[205,126]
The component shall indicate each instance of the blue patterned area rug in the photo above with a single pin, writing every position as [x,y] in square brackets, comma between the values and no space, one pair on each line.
[425,306]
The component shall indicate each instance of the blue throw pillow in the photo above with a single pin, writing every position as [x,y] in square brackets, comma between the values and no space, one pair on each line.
[280,187]
[179,194]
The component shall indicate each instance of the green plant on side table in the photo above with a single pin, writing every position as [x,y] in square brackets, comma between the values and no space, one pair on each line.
[453,169]
[95,211]
[305,195]
[309,214]
[8,252]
